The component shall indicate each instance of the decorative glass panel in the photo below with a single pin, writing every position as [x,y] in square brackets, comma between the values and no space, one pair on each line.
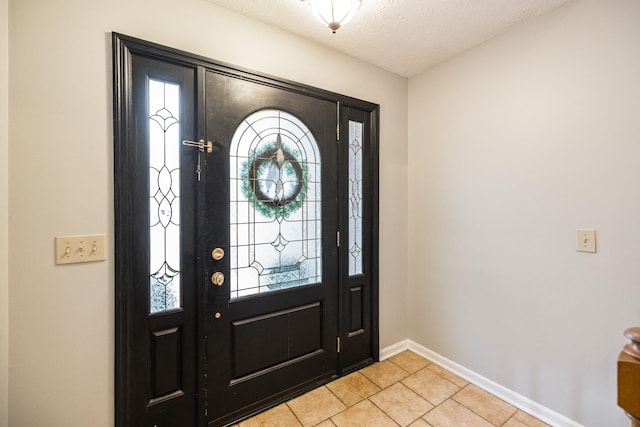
[355,198]
[164,195]
[275,205]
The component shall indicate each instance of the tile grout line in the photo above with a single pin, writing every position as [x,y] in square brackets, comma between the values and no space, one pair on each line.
[383,411]
[434,406]
[481,416]
[293,412]
[418,394]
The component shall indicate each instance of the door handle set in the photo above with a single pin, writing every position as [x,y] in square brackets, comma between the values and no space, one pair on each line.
[218,277]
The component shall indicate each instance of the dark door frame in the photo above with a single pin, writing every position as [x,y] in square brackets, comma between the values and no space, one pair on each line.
[124,49]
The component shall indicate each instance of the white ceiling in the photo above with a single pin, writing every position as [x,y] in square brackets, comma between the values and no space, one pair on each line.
[402,36]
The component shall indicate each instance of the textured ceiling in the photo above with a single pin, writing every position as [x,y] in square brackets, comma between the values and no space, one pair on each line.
[402,36]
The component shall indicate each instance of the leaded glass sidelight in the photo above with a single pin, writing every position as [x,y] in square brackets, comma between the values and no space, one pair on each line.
[355,198]
[164,195]
[275,204]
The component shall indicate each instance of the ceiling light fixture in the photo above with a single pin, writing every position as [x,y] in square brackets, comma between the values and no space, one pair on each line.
[334,13]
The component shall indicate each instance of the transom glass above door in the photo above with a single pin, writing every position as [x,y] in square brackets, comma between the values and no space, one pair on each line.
[275,183]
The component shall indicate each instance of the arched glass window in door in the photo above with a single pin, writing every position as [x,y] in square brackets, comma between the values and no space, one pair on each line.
[275,203]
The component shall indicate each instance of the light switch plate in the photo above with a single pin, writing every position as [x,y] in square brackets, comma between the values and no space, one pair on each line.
[84,248]
[586,240]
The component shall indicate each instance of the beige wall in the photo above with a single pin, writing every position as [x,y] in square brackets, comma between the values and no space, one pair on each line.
[62,322]
[512,146]
[4,211]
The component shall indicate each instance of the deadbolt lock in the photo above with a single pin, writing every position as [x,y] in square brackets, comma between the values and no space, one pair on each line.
[217,278]
[217,254]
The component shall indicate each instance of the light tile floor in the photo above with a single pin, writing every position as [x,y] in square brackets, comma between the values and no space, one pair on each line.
[405,390]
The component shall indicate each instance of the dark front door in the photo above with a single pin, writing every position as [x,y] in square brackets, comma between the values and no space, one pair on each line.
[271,191]
[245,215]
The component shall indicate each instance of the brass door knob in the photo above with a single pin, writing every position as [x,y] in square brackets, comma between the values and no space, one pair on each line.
[217,254]
[217,278]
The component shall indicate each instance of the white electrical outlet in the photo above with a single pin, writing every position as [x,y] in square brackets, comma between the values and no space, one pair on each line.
[85,248]
[586,240]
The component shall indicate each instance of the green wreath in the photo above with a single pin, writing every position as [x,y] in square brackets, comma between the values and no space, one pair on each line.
[271,158]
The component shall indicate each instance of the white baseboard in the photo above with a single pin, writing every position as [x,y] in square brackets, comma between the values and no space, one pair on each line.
[394,349]
[519,401]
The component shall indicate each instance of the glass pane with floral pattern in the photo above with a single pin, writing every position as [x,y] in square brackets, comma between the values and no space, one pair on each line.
[164,196]
[355,198]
